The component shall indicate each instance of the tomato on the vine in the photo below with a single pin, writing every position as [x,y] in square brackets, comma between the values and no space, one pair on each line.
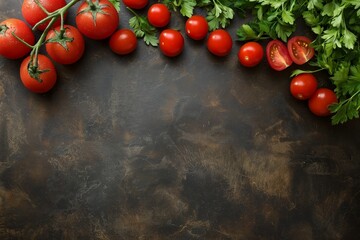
[11,47]
[321,100]
[38,79]
[136,4]
[277,55]
[159,15]
[67,47]
[123,42]
[171,42]
[303,86]
[196,27]
[219,42]
[250,54]
[300,50]
[32,13]
[97,19]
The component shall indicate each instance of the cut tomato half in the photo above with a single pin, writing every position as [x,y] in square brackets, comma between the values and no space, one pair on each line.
[277,55]
[300,50]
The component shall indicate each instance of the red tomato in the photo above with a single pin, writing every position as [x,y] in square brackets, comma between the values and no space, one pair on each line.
[65,49]
[219,42]
[40,79]
[171,42]
[104,23]
[196,27]
[136,4]
[303,86]
[159,15]
[33,14]
[11,47]
[123,42]
[300,50]
[321,100]
[250,54]
[277,55]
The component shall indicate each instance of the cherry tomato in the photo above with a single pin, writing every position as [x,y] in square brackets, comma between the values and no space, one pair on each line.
[67,48]
[136,4]
[277,55]
[196,27]
[11,47]
[303,86]
[32,13]
[219,42]
[159,15]
[104,23]
[171,42]
[40,79]
[250,54]
[300,50]
[321,100]
[123,42]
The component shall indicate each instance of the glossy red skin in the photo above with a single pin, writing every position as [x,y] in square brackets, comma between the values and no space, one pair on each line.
[123,42]
[196,27]
[32,13]
[171,42]
[105,24]
[11,47]
[303,86]
[48,78]
[136,4]
[321,100]
[75,48]
[219,43]
[250,54]
[277,55]
[159,15]
[300,50]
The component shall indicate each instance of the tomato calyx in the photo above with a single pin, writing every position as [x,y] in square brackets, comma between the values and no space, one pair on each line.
[94,8]
[35,72]
[61,38]
[3,29]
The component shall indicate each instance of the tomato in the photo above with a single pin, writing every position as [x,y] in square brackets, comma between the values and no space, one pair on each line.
[40,79]
[277,55]
[196,27]
[136,4]
[171,42]
[97,21]
[11,47]
[303,86]
[158,15]
[66,48]
[32,13]
[250,54]
[123,42]
[321,100]
[219,42]
[300,50]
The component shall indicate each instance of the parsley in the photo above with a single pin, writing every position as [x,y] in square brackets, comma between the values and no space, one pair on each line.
[143,29]
[186,6]
[116,4]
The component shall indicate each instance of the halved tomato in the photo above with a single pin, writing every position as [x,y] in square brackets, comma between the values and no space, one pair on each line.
[300,50]
[277,55]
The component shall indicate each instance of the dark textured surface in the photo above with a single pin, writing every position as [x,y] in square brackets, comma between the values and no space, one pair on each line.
[148,147]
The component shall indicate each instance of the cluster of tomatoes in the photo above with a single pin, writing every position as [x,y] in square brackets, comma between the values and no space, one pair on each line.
[98,19]
[280,56]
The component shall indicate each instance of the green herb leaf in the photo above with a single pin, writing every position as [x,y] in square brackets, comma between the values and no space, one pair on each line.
[116,4]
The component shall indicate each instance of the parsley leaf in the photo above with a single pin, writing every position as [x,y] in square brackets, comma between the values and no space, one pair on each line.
[143,29]
[116,4]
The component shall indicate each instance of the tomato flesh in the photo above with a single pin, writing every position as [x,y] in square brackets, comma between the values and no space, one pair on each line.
[123,42]
[135,4]
[171,42]
[219,43]
[300,50]
[196,27]
[277,55]
[159,15]
[303,86]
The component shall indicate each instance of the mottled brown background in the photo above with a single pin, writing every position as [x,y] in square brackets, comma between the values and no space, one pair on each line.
[148,147]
